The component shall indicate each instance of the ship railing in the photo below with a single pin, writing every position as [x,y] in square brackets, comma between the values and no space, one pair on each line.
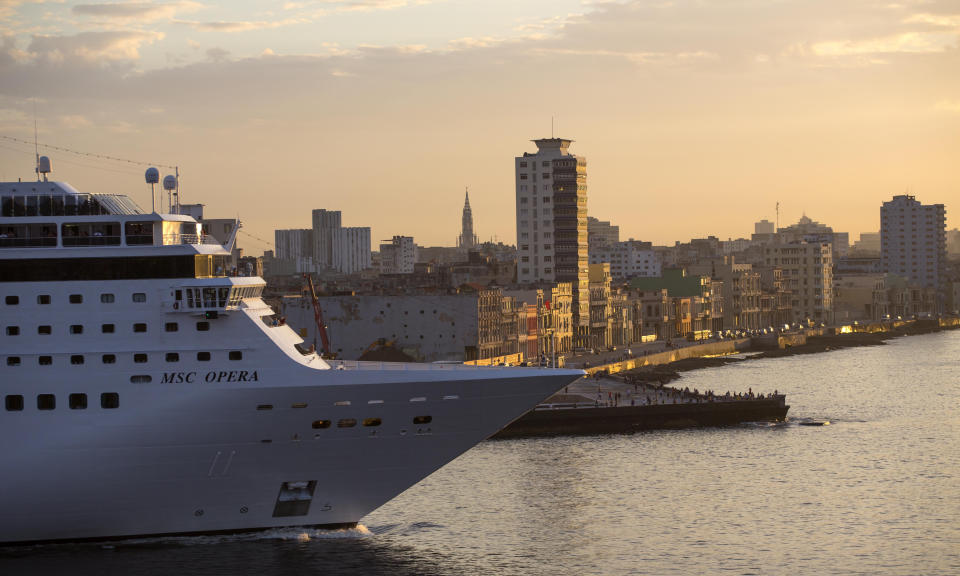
[376,365]
[169,239]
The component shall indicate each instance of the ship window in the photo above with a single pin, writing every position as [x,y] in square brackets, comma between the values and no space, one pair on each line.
[12,300]
[236,355]
[172,357]
[372,421]
[171,326]
[109,359]
[346,423]
[76,298]
[139,297]
[141,379]
[107,298]
[107,328]
[77,401]
[203,356]
[13,360]
[139,233]
[46,402]
[76,328]
[44,329]
[140,358]
[317,424]
[264,406]
[76,359]
[109,400]
[45,360]
[203,326]
[91,234]
[13,330]
[422,419]
[14,402]
[43,298]
[299,405]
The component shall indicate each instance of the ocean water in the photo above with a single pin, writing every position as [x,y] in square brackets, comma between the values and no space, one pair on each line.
[875,492]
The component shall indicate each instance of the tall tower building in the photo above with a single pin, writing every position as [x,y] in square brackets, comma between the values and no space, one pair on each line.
[467,239]
[326,237]
[552,224]
[913,243]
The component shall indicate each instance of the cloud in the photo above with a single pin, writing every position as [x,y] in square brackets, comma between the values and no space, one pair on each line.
[355,5]
[90,47]
[140,11]
[906,43]
[241,25]
[74,121]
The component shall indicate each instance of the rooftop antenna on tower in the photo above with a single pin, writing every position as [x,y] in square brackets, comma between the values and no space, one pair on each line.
[551,127]
[36,141]
[778,216]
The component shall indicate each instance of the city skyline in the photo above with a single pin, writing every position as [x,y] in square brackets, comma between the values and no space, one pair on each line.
[697,119]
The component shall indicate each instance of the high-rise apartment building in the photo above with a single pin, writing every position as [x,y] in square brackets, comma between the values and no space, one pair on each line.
[552,224]
[354,253]
[467,239]
[913,243]
[326,237]
[294,244]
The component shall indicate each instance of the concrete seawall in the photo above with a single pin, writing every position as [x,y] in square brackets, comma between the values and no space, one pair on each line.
[674,354]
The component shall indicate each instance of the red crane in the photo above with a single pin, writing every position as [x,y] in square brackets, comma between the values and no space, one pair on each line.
[318,318]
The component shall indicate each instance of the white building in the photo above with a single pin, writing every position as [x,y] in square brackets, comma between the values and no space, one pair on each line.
[293,244]
[398,255]
[354,253]
[552,235]
[326,237]
[630,259]
[913,243]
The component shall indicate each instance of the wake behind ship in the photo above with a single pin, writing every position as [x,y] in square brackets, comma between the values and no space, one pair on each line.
[148,393]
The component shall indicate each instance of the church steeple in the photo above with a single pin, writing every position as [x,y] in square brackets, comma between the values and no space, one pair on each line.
[467,239]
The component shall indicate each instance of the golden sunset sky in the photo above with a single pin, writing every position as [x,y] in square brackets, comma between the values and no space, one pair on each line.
[696,117]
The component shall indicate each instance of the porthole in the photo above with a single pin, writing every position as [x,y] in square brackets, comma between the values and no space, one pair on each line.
[109,400]
[45,360]
[172,357]
[203,356]
[140,327]
[140,358]
[203,326]
[107,298]
[44,330]
[107,328]
[108,359]
[320,424]
[236,355]
[13,360]
[46,402]
[76,328]
[77,401]
[14,403]
[264,406]
[12,300]
[346,423]
[76,298]
[13,330]
[139,297]
[422,419]
[171,327]
[43,298]
[141,379]
[299,405]
[76,359]
[372,421]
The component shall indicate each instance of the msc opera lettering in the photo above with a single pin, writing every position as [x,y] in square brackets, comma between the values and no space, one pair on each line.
[213,376]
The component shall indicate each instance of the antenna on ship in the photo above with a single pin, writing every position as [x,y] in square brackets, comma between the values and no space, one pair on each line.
[170,185]
[152,176]
[36,142]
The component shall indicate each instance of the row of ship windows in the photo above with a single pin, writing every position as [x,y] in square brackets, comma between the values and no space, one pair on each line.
[139,358]
[369,422]
[138,327]
[77,401]
[105,298]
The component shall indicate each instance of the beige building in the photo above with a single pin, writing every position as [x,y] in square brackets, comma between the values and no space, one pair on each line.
[860,297]
[808,275]
[601,310]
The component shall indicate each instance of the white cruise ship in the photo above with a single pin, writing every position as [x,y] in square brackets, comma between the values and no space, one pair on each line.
[146,392]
